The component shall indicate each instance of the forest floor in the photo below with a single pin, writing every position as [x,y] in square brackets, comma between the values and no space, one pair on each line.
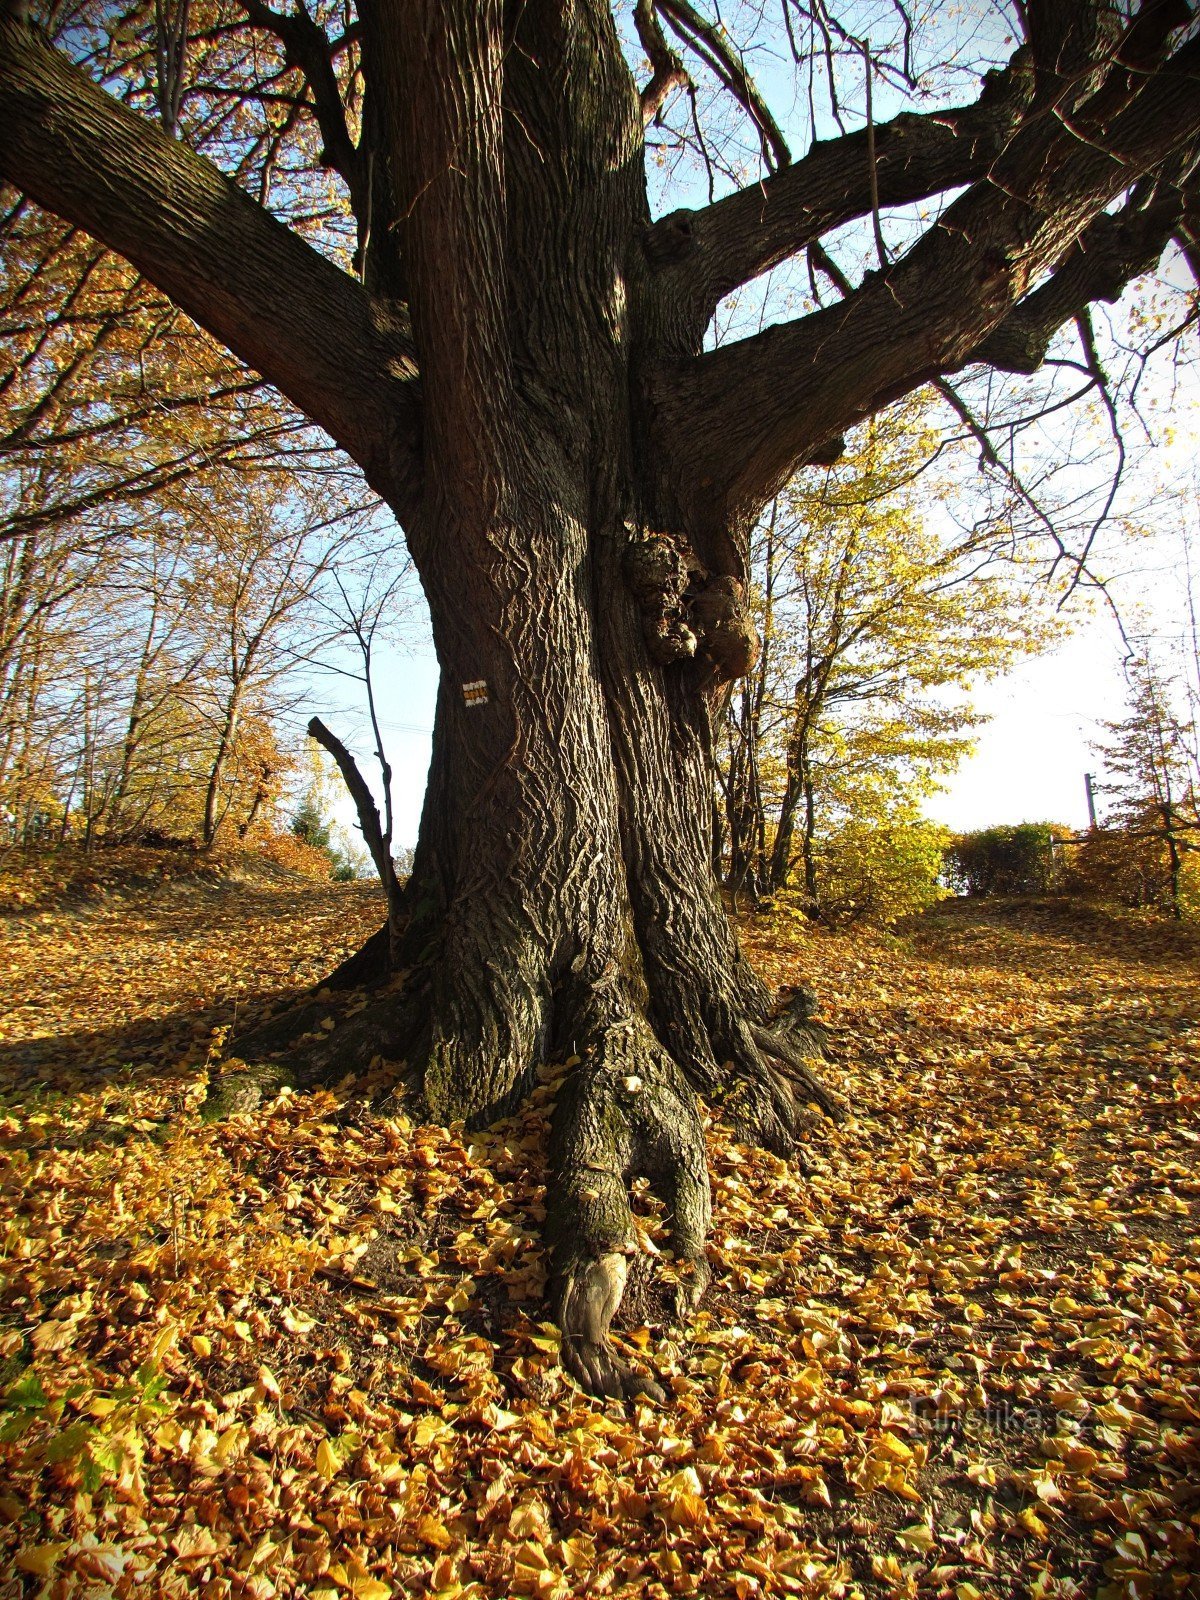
[304,1353]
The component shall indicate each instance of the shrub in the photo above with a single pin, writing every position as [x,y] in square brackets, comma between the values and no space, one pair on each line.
[1006,860]
[879,871]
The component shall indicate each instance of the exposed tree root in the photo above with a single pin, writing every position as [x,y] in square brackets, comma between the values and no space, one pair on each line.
[626,1109]
[718,1022]
[234,1093]
[314,1056]
[785,1049]
[473,1031]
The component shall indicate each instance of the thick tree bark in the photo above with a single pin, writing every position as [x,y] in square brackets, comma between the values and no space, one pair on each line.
[575,477]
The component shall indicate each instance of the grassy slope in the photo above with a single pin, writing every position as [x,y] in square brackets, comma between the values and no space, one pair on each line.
[302,1353]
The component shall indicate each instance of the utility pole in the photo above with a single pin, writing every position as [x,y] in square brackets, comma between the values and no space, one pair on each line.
[1088,781]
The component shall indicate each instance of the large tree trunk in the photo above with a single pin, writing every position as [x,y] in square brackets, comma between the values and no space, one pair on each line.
[563,897]
[563,894]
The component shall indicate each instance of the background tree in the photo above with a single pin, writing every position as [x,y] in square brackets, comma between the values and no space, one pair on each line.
[366,613]
[876,613]
[1152,785]
[126,434]
[517,362]
[175,652]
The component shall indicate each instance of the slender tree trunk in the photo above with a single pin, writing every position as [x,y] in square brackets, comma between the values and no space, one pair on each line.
[262,789]
[212,792]
[785,826]
[133,726]
[808,838]
[1174,859]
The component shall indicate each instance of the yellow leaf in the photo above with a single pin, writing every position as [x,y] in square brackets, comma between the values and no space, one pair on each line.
[1032,1523]
[434,1533]
[684,1510]
[532,1558]
[919,1537]
[686,1481]
[888,1570]
[40,1559]
[426,1430]
[528,1521]
[328,1464]
[231,1442]
[370,1589]
[164,1343]
[54,1336]
[193,1541]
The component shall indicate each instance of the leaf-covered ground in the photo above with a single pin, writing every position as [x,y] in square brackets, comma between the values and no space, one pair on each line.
[304,1354]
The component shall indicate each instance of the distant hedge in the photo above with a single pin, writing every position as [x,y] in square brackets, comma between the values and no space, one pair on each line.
[999,861]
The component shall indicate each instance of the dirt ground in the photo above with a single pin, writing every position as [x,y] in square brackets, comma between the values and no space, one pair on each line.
[304,1353]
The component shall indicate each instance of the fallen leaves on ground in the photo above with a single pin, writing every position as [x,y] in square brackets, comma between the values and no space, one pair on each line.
[304,1353]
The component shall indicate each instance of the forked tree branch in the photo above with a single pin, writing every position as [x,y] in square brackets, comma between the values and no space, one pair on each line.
[215,252]
[1109,254]
[735,422]
[706,254]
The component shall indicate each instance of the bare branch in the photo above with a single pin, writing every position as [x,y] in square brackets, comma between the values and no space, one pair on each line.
[1087,340]
[377,842]
[1187,237]
[872,158]
[170,50]
[714,47]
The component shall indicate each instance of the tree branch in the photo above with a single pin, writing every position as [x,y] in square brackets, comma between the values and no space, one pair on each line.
[266,294]
[706,254]
[1108,255]
[667,70]
[712,44]
[306,47]
[377,842]
[1188,239]
[735,422]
